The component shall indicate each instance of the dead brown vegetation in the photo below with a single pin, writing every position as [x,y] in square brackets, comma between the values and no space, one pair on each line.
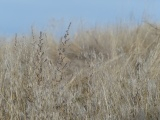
[99,74]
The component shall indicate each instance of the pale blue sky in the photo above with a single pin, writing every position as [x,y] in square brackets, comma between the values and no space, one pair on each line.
[19,15]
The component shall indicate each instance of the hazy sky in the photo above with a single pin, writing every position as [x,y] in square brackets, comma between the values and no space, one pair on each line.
[19,15]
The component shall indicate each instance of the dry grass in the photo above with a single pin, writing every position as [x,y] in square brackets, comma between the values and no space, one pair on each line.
[105,74]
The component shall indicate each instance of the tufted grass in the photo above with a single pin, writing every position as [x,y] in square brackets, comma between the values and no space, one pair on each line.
[98,74]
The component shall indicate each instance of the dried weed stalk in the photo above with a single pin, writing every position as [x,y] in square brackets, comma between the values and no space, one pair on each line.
[61,64]
[39,58]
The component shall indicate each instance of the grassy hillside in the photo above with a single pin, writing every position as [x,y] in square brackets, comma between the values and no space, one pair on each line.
[98,74]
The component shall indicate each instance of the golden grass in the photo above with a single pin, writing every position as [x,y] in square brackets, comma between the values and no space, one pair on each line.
[105,74]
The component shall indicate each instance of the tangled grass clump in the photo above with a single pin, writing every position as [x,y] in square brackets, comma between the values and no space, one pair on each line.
[98,74]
